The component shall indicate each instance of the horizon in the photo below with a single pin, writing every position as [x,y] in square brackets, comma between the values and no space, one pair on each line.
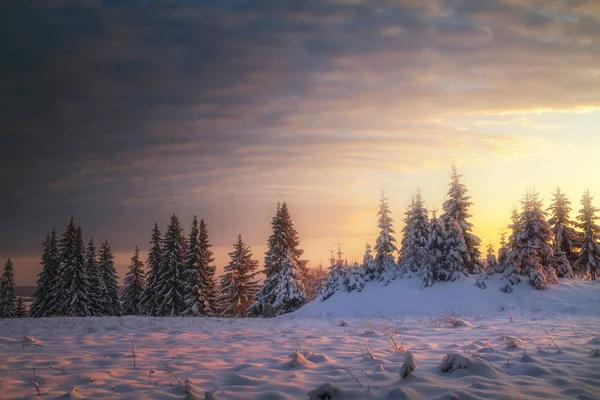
[123,114]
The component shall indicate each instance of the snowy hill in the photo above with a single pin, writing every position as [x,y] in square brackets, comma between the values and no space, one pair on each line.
[405,298]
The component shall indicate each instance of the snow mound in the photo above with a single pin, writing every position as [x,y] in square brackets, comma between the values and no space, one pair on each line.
[405,298]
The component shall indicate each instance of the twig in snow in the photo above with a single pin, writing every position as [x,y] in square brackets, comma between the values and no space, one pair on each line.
[346,370]
[552,340]
[37,385]
[369,350]
[133,351]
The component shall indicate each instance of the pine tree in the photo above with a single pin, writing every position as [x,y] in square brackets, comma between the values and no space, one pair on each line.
[171,281]
[135,282]
[98,301]
[588,261]
[503,250]
[290,292]
[515,228]
[454,261]
[8,300]
[43,299]
[492,262]
[562,226]
[110,281]
[384,245]
[22,311]
[415,234]
[435,248]
[456,209]
[150,297]
[208,269]
[282,244]
[533,253]
[73,286]
[238,285]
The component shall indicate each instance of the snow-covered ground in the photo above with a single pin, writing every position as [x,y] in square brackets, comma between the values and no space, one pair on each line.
[344,346]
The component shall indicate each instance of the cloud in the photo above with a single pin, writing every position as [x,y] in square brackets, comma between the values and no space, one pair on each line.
[117,111]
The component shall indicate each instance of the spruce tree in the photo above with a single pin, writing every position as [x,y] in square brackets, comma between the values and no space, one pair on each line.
[435,251]
[98,300]
[562,227]
[207,271]
[492,261]
[135,282]
[170,282]
[43,297]
[238,284]
[384,244]
[503,250]
[282,244]
[415,234]
[73,286]
[454,261]
[150,297]
[456,209]
[533,255]
[22,311]
[290,291]
[110,281]
[588,261]
[8,300]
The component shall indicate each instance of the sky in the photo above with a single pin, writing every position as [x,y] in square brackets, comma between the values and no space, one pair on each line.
[121,113]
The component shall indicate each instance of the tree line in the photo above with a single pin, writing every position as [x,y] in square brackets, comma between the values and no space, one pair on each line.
[179,278]
[539,249]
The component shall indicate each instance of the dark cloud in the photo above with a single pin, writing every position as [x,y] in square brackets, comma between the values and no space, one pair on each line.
[122,112]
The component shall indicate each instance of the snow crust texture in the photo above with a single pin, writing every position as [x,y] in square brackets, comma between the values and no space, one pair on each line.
[493,348]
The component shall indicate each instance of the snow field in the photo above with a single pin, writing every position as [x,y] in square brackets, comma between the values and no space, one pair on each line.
[549,350]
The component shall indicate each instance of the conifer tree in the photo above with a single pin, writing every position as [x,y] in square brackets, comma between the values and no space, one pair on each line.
[384,244]
[456,209]
[22,311]
[562,226]
[43,299]
[238,285]
[135,282]
[282,244]
[150,296]
[503,250]
[73,286]
[454,261]
[110,281]
[515,228]
[290,291]
[435,251]
[98,300]
[588,261]
[208,270]
[492,262]
[533,255]
[170,279]
[415,235]
[8,300]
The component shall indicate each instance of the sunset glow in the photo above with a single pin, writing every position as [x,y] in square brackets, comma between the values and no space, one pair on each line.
[222,109]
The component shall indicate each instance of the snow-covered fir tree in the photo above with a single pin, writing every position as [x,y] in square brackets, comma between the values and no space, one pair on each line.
[588,261]
[353,278]
[334,280]
[135,282]
[533,255]
[384,244]
[369,266]
[491,260]
[171,282]
[562,264]
[200,295]
[415,235]
[502,251]
[98,300]
[563,229]
[22,311]
[454,261]
[435,251]
[238,284]
[515,228]
[73,286]
[315,281]
[8,300]
[290,292]
[456,209]
[282,244]
[43,297]
[150,296]
[110,281]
